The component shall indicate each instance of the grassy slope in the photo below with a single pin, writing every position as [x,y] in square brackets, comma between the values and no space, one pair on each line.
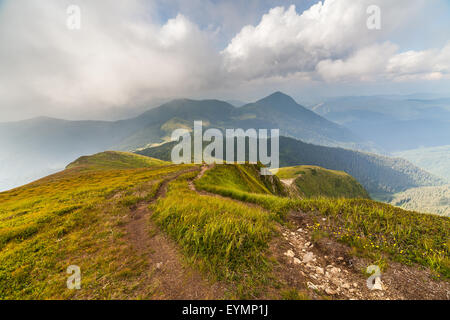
[378,174]
[373,229]
[74,218]
[240,177]
[114,160]
[220,236]
[314,181]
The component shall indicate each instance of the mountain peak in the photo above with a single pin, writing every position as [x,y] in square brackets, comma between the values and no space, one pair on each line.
[278,97]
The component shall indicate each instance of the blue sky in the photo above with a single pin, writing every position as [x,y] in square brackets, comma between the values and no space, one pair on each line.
[137,53]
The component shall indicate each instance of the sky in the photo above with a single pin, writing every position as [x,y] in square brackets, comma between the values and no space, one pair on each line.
[128,56]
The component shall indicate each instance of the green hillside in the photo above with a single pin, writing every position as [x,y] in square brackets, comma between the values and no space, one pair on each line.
[240,177]
[377,230]
[135,225]
[312,181]
[377,174]
[73,218]
[109,160]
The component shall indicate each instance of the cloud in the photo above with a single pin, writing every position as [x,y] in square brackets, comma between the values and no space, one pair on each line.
[364,64]
[433,64]
[331,42]
[118,57]
[125,55]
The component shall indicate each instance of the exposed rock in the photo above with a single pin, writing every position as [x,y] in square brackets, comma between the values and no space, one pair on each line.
[330,291]
[308,257]
[312,286]
[289,253]
[334,270]
[297,261]
[320,270]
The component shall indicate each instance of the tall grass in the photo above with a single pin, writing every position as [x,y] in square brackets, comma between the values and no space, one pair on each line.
[226,238]
[375,229]
[72,217]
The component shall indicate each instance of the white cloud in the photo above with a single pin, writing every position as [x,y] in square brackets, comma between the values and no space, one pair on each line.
[433,64]
[119,57]
[331,41]
[125,57]
[364,64]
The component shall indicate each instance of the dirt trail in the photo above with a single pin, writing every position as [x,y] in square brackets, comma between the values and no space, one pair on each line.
[168,276]
[287,182]
[202,172]
[327,268]
[322,268]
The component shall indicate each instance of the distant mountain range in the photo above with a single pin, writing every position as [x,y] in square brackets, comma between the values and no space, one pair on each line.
[435,160]
[424,199]
[36,147]
[378,174]
[392,122]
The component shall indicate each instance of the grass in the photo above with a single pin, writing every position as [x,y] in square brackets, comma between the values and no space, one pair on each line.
[225,238]
[377,229]
[76,217]
[294,294]
[313,181]
[115,160]
[243,182]
[73,218]
[374,229]
[235,177]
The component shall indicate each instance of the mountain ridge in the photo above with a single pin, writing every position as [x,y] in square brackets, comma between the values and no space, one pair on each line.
[44,143]
[378,174]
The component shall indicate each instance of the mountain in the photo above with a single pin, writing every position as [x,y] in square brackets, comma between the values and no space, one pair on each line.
[236,103]
[33,148]
[281,111]
[156,125]
[435,160]
[394,123]
[434,200]
[313,181]
[139,228]
[378,174]
[275,111]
